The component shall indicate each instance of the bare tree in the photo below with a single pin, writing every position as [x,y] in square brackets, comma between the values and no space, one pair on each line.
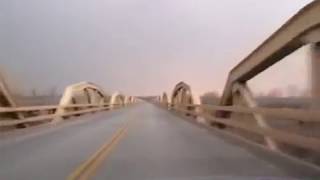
[210,98]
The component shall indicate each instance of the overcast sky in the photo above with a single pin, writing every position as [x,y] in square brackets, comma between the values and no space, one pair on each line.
[140,47]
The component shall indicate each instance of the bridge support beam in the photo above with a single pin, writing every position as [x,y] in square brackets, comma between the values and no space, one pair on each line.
[248,98]
[64,101]
[116,100]
[6,100]
[86,91]
[315,74]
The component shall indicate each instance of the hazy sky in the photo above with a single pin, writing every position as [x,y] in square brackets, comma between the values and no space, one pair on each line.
[139,47]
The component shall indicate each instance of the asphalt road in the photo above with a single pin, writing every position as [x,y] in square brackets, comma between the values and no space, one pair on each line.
[158,145]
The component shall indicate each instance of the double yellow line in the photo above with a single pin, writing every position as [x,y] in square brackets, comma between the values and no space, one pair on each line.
[87,169]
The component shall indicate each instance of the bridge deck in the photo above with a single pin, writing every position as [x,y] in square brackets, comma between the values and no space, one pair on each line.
[158,145]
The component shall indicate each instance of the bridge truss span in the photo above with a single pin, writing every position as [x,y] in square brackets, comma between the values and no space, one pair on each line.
[239,113]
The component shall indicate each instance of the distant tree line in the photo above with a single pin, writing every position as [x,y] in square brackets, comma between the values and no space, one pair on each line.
[211,98]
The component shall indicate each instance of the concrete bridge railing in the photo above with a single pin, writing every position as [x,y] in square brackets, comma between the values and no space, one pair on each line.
[77,99]
[238,102]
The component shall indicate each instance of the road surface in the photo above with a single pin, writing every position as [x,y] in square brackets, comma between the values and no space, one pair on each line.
[156,144]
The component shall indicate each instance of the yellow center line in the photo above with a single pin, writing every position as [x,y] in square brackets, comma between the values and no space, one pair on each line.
[89,167]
